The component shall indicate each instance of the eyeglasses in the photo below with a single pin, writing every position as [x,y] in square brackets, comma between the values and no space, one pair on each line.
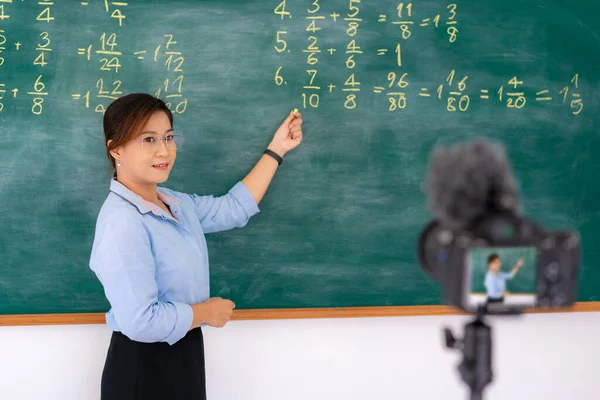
[151,144]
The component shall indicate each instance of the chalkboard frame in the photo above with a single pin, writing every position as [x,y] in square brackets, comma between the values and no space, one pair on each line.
[553,33]
[291,313]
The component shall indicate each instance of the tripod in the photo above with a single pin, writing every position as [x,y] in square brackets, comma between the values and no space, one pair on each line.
[476,366]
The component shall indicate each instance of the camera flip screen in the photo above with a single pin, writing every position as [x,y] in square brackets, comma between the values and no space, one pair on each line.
[501,277]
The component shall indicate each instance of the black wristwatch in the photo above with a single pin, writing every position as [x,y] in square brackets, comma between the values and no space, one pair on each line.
[274,155]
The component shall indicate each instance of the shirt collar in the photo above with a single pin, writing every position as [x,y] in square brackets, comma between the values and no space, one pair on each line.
[165,198]
[142,205]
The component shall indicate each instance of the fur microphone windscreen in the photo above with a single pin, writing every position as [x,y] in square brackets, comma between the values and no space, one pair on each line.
[468,180]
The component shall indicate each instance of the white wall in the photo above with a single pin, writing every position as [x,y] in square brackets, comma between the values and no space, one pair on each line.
[536,357]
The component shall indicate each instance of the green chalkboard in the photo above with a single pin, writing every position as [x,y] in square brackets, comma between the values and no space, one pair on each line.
[379,84]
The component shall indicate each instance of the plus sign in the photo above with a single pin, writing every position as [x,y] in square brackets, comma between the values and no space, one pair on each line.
[334,16]
[331,51]
[18,45]
[15,92]
[331,86]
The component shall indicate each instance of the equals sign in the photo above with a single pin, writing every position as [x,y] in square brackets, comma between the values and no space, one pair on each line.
[484,94]
[424,94]
[76,96]
[378,89]
[138,54]
[381,52]
[83,51]
[382,18]
[547,98]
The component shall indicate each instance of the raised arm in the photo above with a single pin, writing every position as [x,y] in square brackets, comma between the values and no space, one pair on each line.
[517,266]
[287,137]
[234,209]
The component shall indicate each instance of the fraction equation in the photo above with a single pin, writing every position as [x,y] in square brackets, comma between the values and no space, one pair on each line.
[106,56]
[454,92]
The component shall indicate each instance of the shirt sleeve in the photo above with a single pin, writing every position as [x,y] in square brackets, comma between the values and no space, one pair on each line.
[123,262]
[488,283]
[508,275]
[232,210]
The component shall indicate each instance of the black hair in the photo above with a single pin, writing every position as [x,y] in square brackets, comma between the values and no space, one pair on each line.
[126,116]
[492,257]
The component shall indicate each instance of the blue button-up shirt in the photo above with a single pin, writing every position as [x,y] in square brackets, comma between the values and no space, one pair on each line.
[153,266]
[496,283]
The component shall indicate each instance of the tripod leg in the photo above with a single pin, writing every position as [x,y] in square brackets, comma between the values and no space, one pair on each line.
[476,366]
[476,396]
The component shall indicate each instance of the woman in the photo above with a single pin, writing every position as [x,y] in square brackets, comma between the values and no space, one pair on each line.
[150,253]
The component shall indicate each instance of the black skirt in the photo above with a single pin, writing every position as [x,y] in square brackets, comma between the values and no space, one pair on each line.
[148,371]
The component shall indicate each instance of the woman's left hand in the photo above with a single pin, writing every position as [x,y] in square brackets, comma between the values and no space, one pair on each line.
[288,136]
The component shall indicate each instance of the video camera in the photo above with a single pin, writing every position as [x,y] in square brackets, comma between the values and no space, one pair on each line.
[488,258]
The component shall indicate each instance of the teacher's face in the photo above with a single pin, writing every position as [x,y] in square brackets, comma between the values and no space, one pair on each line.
[495,265]
[149,158]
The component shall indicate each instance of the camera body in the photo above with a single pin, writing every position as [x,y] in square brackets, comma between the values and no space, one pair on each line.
[501,264]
